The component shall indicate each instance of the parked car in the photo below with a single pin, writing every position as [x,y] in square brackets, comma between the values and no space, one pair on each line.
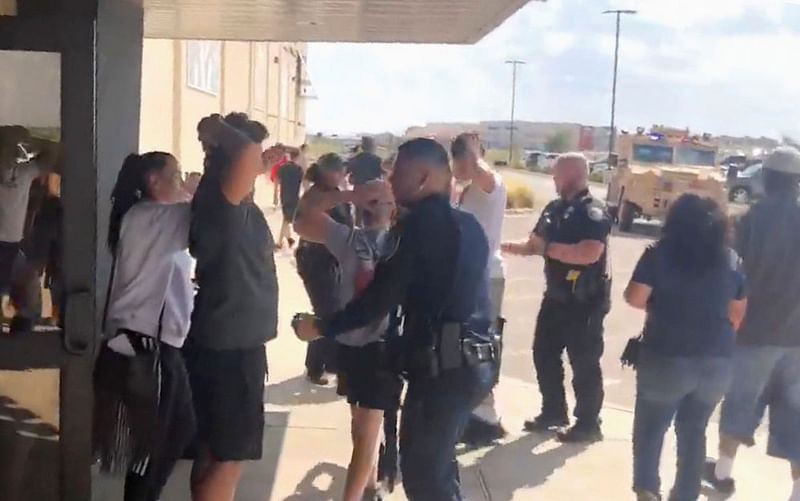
[747,185]
[600,166]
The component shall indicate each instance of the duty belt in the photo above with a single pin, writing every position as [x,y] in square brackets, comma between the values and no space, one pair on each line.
[454,347]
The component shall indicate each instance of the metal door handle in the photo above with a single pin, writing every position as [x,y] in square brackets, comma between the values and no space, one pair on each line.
[79,322]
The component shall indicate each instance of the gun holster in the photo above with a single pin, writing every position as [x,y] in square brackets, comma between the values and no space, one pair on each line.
[453,347]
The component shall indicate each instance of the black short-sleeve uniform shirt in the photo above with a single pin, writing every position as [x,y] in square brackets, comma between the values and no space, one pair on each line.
[570,222]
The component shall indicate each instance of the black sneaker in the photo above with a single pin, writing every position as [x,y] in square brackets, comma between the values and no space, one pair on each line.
[480,433]
[542,423]
[21,325]
[580,434]
[725,486]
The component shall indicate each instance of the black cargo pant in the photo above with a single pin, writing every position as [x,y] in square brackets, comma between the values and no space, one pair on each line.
[320,274]
[578,329]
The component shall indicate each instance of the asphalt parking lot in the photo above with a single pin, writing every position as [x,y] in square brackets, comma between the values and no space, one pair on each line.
[524,288]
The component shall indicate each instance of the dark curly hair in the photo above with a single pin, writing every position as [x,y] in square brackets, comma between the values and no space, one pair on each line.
[695,234]
[217,159]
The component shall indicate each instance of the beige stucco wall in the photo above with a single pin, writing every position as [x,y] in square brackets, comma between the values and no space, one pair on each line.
[156,119]
[237,76]
[171,109]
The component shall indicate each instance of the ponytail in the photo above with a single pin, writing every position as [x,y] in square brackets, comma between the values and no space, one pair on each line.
[313,173]
[130,188]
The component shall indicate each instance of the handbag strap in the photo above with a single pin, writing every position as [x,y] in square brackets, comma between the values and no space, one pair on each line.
[108,290]
[108,301]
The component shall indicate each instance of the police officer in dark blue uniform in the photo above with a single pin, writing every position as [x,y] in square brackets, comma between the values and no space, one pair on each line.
[572,235]
[438,275]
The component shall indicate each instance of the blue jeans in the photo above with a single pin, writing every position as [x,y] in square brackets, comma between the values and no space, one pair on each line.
[435,412]
[765,376]
[688,390]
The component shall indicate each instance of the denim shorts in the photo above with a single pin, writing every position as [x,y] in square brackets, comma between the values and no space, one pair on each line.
[765,376]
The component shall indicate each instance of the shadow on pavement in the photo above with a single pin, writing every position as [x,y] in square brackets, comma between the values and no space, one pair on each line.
[308,490]
[298,391]
[29,452]
[516,465]
[640,231]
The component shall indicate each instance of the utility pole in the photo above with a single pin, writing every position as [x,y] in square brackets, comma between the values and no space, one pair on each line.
[612,135]
[514,63]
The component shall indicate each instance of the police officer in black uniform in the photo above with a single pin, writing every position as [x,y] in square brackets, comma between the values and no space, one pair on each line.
[572,235]
[437,274]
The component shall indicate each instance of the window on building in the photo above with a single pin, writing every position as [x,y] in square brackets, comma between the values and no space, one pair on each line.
[203,65]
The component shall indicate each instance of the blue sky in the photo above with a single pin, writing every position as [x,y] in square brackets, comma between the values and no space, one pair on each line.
[722,66]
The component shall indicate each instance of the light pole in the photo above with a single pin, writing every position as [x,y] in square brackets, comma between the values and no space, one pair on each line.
[612,136]
[514,63]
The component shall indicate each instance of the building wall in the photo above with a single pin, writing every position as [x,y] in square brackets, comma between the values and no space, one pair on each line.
[156,118]
[183,81]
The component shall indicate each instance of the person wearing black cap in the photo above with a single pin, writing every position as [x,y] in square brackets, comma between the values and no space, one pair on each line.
[365,166]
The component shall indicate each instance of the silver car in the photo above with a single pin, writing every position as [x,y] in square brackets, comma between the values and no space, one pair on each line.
[747,186]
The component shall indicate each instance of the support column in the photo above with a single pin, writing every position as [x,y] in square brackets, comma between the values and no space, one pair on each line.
[101,81]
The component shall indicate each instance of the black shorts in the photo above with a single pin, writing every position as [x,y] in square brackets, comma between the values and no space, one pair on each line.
[228,390]
[365,378]
[288,210]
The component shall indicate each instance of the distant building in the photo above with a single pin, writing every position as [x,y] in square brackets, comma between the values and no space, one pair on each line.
[527,135]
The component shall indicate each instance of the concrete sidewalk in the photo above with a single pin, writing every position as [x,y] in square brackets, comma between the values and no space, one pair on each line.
[307,443]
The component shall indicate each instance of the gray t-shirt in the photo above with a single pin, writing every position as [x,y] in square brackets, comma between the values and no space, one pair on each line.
[15,189]
[768,241]
[357,251]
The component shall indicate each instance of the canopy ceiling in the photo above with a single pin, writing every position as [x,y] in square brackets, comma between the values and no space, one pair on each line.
[422,21]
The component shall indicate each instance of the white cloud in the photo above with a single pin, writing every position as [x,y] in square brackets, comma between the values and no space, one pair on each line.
[682,14]
[631,50]
[558,42]
[712,64]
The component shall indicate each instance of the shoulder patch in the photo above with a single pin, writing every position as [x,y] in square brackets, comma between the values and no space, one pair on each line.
[596,213]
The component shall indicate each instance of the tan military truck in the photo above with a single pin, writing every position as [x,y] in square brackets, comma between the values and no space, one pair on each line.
[655,168]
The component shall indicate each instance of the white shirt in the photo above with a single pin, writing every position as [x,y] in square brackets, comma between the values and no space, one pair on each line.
[489,209]
[152,272]
[15,189]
